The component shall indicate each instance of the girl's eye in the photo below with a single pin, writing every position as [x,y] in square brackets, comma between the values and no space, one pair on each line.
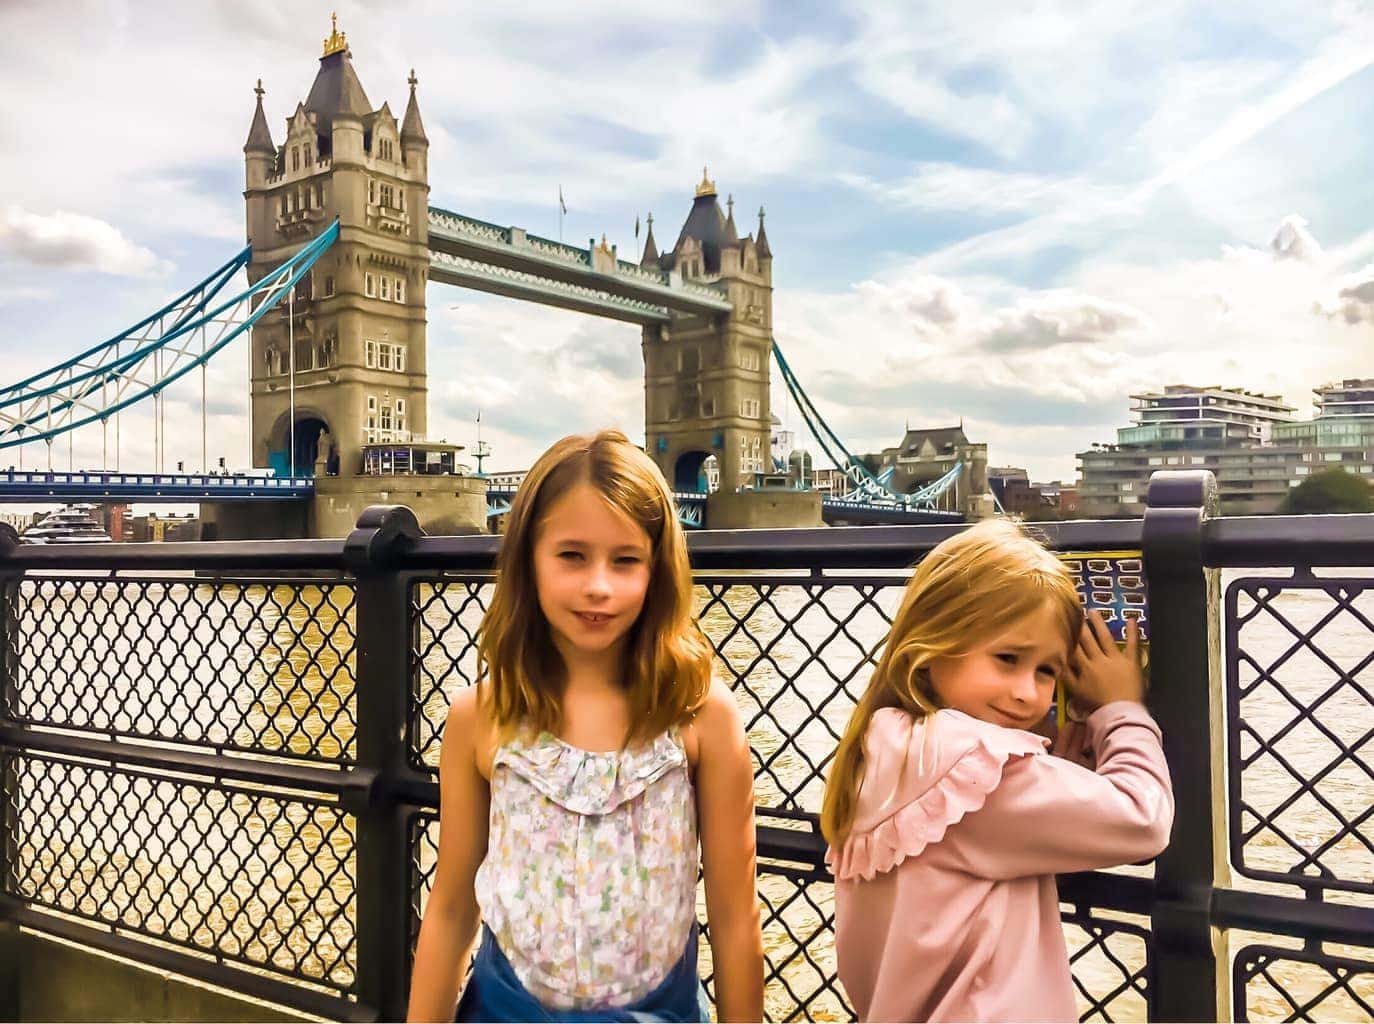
[570,555]
[1008,659]
[1047,670]
[628,560]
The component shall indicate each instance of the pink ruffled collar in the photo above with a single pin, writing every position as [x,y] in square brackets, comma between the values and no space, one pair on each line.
[920,777]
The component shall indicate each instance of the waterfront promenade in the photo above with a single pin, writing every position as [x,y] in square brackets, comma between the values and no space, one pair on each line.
[219,759]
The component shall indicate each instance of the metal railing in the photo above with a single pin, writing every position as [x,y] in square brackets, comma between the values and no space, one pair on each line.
[219,759]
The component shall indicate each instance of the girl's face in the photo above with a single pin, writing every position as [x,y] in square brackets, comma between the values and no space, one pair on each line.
[591,571]
[1010,681]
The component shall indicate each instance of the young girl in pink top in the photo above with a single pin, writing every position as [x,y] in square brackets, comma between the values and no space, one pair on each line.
[947,818]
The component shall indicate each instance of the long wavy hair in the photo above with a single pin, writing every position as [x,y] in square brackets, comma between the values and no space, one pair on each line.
[969,589]
[668,660]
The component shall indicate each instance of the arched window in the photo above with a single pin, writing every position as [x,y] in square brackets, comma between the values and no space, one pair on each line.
[295,158]
[306,159]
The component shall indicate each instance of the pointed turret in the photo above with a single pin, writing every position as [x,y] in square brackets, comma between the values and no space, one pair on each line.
[336,91]
[706,224]
[762,240]
[650,257]
[413,129]
[731,233]
[259,135]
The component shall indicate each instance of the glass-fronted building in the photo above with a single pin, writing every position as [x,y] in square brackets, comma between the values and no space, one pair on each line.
[1250,442]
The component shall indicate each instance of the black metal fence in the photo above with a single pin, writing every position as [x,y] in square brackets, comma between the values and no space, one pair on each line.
[219,759]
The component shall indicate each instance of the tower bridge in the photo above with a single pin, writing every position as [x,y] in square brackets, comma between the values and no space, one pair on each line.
[342,245]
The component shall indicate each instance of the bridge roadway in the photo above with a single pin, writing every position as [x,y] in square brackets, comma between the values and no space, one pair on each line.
[153,488]
[149,488]
[692,506]
[511,262]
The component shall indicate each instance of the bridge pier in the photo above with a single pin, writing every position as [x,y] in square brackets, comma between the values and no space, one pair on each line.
[442,504]
[763,509]
[254,520]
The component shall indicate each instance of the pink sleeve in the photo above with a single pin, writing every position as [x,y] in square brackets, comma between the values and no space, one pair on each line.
[1049,815]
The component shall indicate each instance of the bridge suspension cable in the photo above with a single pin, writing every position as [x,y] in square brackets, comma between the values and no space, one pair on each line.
[867,485]
[143,360]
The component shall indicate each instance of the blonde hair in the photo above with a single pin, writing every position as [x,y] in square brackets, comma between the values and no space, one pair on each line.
[668,660]
[968,590]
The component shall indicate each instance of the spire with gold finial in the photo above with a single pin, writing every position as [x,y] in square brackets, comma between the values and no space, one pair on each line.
[707,186]
[337,41]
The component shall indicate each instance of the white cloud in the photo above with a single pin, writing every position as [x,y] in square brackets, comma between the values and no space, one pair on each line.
[1354,298]
[937,186]
[991,119]
[1293,241]
[70,241]
[1059,318]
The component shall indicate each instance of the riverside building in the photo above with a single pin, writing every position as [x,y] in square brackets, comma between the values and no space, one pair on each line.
[1249,441]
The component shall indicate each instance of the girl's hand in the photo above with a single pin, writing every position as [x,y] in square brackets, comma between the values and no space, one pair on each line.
[1103,673]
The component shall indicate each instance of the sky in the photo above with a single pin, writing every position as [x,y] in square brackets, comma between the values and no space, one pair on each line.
[1014,216]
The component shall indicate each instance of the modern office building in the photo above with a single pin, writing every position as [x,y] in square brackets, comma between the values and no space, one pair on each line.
[1250,441]
[1185,427]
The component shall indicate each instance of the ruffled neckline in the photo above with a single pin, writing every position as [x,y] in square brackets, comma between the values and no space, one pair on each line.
[921,777]
[587,781]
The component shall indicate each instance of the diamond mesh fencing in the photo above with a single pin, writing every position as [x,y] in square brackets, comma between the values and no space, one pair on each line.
[254,667]
[254,878]
[264,877]
[1109,963]
[1273,983]
[1300,723]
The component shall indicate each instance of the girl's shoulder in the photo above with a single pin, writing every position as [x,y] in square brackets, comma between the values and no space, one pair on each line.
[715,724]
[920,776]
[468,719]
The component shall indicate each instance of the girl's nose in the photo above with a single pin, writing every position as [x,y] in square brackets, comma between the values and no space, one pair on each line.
[1023,687]
[599,581]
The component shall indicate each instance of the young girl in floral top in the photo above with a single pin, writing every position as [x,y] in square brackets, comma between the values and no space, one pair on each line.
[579,775]
[946,818]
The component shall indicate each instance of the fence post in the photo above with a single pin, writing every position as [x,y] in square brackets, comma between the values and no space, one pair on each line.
[1190,976]
[10,978]
[382,631]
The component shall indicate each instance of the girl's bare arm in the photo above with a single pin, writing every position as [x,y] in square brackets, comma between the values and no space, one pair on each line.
[725,808]
[451,916]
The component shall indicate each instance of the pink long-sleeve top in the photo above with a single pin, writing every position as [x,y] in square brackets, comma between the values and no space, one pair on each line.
[945,901]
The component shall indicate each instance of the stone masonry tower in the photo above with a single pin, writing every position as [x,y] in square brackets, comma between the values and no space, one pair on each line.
[359,315]
[706,377]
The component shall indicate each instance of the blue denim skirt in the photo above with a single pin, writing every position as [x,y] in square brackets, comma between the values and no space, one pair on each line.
[494,993]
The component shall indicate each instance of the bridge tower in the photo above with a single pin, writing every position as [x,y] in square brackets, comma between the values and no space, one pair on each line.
[357,321]
[706,377]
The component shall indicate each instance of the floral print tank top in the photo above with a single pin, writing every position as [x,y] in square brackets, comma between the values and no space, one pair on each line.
[589,882]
